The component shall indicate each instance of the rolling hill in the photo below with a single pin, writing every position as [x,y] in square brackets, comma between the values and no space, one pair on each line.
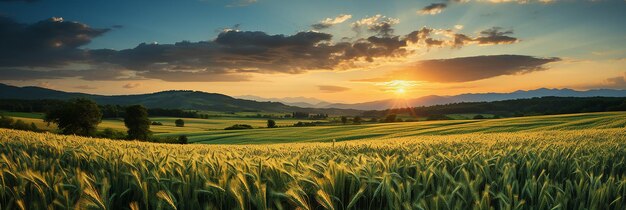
[175,99]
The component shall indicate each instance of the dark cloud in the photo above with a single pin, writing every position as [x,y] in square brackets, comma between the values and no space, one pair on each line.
[433,9]
[476,68]
[51,42]
[39,50]
[91,75]
[117,26]
[465,69]
[377,24]
[449,38]
[495,36]
[615,82]
[332,88]
[234,53]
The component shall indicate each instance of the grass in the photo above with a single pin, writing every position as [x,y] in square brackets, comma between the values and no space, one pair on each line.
[547,165]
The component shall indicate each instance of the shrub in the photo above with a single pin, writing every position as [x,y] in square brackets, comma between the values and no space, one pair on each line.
[180,123]
[479,117]
[156,123]
[238,127]
[182,139]
[271,123]
[110,133]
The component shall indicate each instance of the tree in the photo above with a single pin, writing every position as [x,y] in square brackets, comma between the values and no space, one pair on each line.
[271,123]
[78,116]
[390,118]
[357,120]
[137,122]
[182,139]
[344,119]
[180,123]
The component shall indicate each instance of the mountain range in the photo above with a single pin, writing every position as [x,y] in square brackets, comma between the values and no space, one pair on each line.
[197,100]
[173,99]
[439,100]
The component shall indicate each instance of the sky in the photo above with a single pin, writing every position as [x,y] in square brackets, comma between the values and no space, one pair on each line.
[339,51]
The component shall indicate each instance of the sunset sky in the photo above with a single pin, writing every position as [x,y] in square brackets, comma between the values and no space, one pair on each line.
[340,51]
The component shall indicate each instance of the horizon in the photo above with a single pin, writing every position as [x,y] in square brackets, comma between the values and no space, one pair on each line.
[346,52]
[296,99]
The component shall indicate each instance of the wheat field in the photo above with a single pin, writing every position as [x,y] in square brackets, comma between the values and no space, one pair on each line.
[577,169]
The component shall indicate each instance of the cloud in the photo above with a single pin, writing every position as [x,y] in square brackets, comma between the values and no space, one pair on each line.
[465,69]
[37,52]
[495,36]
[85,87]
[131,85]
[332,88]
[241,3]
[328,22]
[618,82]
[234,54]
[50,42]
[432,9]
[90,75]
[448,38]
[377,24]
[28,1]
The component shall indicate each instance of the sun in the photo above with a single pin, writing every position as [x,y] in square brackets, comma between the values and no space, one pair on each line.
[400,90]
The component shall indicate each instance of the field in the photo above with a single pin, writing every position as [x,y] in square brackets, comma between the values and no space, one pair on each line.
[575,169]
[210,131]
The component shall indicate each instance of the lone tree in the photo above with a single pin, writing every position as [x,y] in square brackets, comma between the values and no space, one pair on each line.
[357,120]
[78,116]
[344,119]
[180,123]
[271,123]
[137,122]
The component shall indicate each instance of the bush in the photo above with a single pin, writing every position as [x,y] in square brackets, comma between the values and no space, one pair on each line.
[180,123]
[438,117]
[182,139]
[109,133]
[238,127]
[156,123]
[306,124]
[271,123]
[479,117]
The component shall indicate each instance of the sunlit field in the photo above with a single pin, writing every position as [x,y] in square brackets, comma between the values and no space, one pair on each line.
[210,131]
[561,169]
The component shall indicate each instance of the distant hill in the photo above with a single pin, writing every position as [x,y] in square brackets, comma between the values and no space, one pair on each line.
[306,102]
[477,97]
[176,99]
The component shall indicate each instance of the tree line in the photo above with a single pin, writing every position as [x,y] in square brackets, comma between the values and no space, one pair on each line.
[81,117]
[108,110]
[513,108]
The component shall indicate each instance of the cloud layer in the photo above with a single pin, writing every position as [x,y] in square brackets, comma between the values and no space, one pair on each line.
[465,69]
[45,49]
[332,88]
